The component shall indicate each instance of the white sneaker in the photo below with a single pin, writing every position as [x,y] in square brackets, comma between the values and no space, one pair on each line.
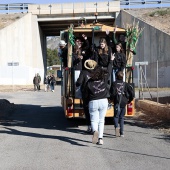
[95,137]
[100,142]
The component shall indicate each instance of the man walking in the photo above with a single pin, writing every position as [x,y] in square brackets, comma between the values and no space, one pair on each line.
[36,82]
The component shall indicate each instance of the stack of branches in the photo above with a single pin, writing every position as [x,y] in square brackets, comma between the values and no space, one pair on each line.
[133,32]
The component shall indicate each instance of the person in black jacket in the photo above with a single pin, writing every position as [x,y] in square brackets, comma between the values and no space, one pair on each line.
[81,81]
[79,53]
[97,95]
[122,93]
[119,62]
[63,52]
[104,53]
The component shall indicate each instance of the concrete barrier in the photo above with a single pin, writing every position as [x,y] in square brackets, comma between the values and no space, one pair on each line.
[154,108]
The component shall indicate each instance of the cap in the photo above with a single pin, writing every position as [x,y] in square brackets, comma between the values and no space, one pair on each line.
[62,43]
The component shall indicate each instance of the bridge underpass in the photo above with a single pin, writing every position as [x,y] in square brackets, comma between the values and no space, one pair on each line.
[52,26]
[26,37]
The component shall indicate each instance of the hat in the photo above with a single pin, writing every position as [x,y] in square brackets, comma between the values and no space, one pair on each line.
[62,43]
[90,64]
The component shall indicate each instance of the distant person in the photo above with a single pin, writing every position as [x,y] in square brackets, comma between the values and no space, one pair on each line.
[39,77]
[46,83]
[63,52]
[52,83]
[122,93]
[36,82]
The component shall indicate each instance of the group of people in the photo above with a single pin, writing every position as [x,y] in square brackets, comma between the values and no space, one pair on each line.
[97,64]
[49,83]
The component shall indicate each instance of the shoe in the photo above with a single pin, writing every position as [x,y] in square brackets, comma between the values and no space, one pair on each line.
[100,141]
[122,136]
[95,137]
[117,132]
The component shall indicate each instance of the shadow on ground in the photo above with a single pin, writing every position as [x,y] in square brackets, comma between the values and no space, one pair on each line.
[34,116]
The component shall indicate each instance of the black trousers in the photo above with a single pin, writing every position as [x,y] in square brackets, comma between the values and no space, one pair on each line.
[86,111]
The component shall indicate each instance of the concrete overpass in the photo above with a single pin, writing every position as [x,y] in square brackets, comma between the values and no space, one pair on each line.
[56,17]
[23,43]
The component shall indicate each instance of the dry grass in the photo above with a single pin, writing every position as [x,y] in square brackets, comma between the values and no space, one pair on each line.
[15,88]
[153,121]
[7,19]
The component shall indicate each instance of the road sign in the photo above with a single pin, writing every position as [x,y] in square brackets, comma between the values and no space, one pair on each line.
[141,63]
[13,64]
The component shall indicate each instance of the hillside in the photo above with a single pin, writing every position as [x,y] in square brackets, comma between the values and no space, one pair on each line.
[159,18]
[7,19]
[52,42]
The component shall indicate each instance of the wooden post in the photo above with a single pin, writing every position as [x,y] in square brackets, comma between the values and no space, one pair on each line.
[129,73]
[69,60]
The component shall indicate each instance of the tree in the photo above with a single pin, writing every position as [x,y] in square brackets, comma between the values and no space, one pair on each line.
[52,57]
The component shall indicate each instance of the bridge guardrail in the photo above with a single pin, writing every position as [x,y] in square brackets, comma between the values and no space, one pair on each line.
[124,4]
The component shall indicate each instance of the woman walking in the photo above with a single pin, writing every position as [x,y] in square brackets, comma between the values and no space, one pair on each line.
[97,95]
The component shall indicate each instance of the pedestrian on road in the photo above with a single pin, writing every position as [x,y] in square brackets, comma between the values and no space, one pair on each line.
[122,93]
[36,82]
[46,80]
[97,95]
[39,77]
[52,83]
[81,81]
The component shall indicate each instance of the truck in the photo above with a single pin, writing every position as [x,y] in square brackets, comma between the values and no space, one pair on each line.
[72,105]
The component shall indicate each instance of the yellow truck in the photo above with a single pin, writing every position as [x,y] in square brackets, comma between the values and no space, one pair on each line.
[73,106]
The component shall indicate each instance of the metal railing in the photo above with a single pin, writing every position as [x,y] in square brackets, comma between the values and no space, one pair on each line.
[124,4]
[15,7]
[144,4]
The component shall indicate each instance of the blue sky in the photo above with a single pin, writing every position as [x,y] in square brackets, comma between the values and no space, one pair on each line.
[46,1]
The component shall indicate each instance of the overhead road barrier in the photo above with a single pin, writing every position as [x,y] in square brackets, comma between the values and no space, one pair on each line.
[84,7]
[124,4]
[17,7]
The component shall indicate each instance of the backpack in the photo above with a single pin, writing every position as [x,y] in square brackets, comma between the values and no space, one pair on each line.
[130,94]
[121,88]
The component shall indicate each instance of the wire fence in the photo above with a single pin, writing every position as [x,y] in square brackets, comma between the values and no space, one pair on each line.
[124,4]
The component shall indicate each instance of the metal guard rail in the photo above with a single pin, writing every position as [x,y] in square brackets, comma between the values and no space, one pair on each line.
[20,7]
